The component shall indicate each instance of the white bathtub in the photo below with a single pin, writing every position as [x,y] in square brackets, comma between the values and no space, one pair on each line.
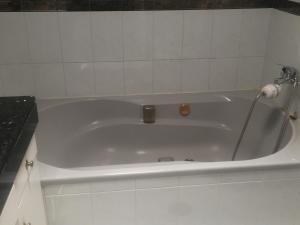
[258,189]
[216,116]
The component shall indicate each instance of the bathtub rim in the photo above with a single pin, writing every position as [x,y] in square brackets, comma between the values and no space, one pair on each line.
[287,157]
[139,99]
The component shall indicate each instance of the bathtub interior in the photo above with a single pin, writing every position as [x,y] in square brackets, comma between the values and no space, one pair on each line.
[110,132]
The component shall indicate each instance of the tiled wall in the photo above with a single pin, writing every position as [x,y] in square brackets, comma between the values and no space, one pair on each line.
[248,198]
[283,46]
[283,43]
[57,54]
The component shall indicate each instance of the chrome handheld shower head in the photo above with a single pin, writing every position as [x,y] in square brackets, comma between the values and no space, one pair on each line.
[271,90]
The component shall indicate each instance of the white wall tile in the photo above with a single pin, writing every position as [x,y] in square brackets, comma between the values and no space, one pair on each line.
[156,182]
[43,35]
[283,44]
[282,174]
[109,78]
[112,185]
[167,76]
[76,36]
[281,202]
[199,205]
[241,176]
[168,28]
[80,79]
[199,179]
[138,77]
[197,35]
[69,210]
[107,36]
[284,39]
[250,72]
[241,203]
[157,206]
[50,80]
[66,189]
[114,208]
[223,74]
[206,198]
[226,33]
[271,71]
[17,79]
[1,84]
[138,41]
[254,32]
[195,75]
[13,38]
[91,37]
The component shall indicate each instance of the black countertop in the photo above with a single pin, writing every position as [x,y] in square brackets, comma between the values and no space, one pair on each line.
[18,120]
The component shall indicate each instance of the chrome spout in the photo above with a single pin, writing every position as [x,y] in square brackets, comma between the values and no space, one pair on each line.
[288,75]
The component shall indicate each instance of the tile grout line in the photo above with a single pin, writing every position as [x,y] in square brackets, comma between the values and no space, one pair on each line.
[93,52]
[58,20]
[181,53]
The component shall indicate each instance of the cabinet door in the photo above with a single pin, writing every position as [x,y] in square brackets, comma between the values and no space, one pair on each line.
[25,205]
[38,215]
[10,212]
[31,208]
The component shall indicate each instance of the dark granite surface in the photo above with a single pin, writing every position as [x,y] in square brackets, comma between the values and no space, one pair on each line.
[18,119]
[287,6]
[124,5]
[128,5]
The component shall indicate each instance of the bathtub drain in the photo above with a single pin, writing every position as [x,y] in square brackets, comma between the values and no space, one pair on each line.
[170,159]
[189,160]
[166,159]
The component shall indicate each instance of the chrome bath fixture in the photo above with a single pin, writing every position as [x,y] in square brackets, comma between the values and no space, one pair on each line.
[149,114]
[288,75]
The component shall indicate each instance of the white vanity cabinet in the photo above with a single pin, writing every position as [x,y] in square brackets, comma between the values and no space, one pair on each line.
[25,205]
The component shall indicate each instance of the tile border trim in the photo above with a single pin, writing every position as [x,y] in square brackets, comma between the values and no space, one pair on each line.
[128,5]
[143,5]
[287,6]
